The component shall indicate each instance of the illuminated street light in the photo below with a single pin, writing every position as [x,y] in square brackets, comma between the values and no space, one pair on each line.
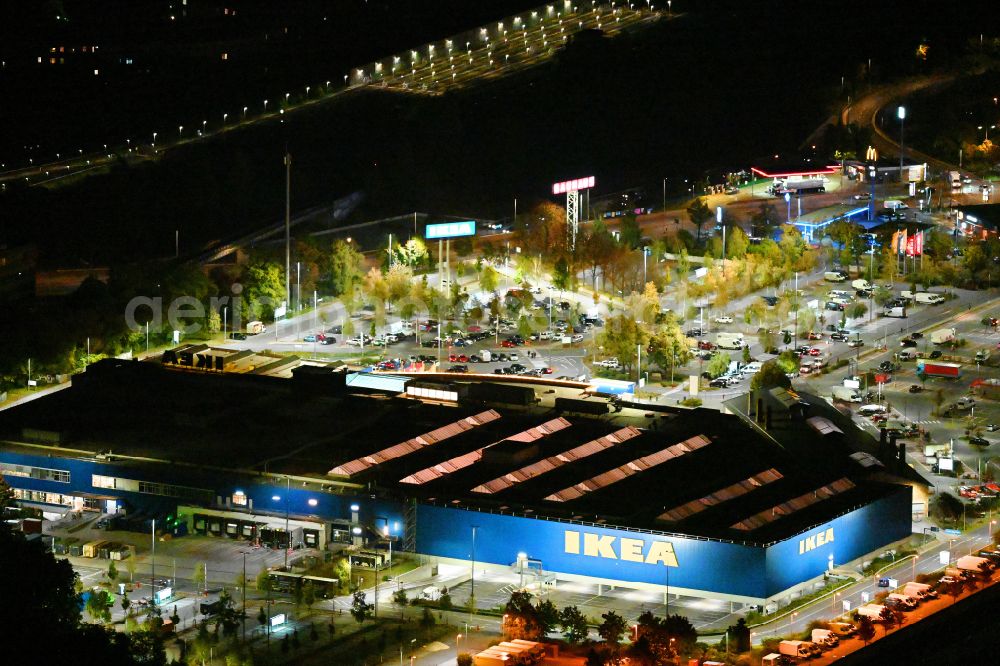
[265,106]
[180,130]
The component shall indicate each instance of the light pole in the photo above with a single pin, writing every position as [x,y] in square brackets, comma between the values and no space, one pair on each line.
[901,114]
[788,205]
[664,195]
[472,593]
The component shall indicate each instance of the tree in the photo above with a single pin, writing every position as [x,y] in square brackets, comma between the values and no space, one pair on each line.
[858,310]
[890,617]
[346,266]
[263,290]
[700,213]
[98,605]
[560,274]
[263,582]
[770,375]
[112,571]
[621,338]
[463,659]
[882,295]
[631,235]
[360,609]
[308,594]
[612,629]
[200,575]
[737,242]
[947,506]
[574,624]
[521,618]
[261,617]
[718,364]
[542,229]
[866,629]
[548,616]
[489,279]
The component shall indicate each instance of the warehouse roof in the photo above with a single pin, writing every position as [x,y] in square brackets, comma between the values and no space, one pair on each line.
[760,473]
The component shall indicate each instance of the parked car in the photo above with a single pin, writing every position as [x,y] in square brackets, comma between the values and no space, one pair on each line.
[916,388]
[238,336]
[694,333]
[935,353]
[838,336]
[907,342]
[812,335]
[979,441]
[992,427]
[770,300]
[577,337]
[725,319]
[718,382]
[458,368]
[855,343]
[706,345]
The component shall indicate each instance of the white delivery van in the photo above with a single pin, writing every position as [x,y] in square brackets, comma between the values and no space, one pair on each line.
[846,394]
[928,298]
[895,204]
[906,295]
[904,601]
[862,285]
[824,638]
[835,276]
[907,355]
[730,341]
[898,311]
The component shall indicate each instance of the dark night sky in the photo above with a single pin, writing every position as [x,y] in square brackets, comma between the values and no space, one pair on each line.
[727,83]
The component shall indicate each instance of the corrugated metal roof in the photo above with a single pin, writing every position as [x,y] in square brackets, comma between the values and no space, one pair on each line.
[416,443]
[724,495]
[558,460]
[628,469]
[823,425]
[463,461]
[839,486]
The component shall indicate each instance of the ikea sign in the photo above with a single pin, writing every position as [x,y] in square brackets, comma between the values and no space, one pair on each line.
[619,548]
[450,230]
[814,541]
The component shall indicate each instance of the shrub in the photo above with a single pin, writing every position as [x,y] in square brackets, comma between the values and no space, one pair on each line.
[691,402]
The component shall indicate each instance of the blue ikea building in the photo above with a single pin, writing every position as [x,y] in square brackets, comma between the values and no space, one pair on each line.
[748,505]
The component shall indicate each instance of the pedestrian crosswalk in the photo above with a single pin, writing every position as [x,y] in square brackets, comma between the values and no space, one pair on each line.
[926,422]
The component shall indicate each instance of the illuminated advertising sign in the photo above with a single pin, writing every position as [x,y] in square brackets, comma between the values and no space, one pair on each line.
[573,185]
[164,594]
[682,562]
[199,361]
[915,245]
[450,230]
[277,620]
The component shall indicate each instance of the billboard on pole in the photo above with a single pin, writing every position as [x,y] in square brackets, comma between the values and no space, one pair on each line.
[450,230]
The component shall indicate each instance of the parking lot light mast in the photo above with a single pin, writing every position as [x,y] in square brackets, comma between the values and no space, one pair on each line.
[901,114]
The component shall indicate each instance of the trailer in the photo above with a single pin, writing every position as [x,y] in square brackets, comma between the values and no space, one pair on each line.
[973,563]
[939,369]
[943,336]
[871,611]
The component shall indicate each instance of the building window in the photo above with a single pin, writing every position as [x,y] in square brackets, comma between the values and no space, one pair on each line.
[40,473]
[42,497]
[99,481]
[239,498]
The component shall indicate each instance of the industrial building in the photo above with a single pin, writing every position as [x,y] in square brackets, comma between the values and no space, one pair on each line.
[748,505]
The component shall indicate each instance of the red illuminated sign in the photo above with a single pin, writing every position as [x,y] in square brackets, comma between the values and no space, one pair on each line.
[915,245]
[573,185]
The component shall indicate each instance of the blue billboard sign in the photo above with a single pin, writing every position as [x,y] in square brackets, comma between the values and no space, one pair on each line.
[450,230]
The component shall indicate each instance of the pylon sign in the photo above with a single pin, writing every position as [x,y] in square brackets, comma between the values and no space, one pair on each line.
[572,190]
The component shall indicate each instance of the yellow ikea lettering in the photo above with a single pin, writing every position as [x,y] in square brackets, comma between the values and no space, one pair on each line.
[662,551]
[596,545]
[628,549]
[816,540]
[572,542]
[631,549]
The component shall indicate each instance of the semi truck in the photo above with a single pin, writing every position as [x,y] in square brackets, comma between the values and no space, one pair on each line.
[939,369]
[943,336]
[955,178]
[796,187]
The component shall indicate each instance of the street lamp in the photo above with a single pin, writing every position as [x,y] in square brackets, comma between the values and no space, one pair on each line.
[154,139]
[901,114]
[180,131]
[265,106]
[788,204]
